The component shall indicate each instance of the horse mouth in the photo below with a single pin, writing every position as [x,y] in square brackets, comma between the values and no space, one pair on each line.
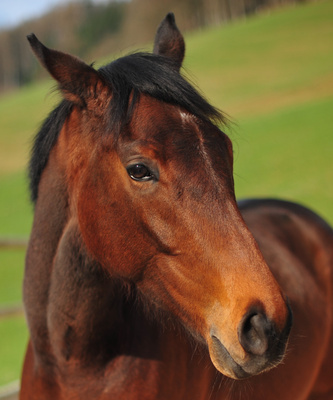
[261,346]
[224,362]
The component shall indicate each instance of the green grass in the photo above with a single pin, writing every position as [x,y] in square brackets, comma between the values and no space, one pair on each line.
[11,276]
[21,114]
[257,65]
[14,338]
[294,148]
[13,329]
[16,209]
[273,74]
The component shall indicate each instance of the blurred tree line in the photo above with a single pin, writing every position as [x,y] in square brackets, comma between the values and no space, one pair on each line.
[92,30]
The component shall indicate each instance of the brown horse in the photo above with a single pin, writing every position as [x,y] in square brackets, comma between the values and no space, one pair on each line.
[142,278]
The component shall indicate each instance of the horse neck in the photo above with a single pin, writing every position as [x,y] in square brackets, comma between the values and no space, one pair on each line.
[50,218]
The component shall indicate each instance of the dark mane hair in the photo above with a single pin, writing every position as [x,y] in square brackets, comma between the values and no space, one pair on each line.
[137,73]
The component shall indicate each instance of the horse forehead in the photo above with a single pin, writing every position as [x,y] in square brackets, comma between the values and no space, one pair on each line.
[164,125]
[152,113]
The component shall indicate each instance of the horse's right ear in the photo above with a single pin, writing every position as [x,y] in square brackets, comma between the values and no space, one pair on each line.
[169,42]
[77,80]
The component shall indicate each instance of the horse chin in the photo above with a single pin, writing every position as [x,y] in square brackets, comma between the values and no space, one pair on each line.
[226,364]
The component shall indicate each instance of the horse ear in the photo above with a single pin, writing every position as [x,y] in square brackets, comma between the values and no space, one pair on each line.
[77,80]
[169,42]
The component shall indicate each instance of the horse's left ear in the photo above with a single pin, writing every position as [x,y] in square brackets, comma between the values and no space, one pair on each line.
[77,80]
[169,42]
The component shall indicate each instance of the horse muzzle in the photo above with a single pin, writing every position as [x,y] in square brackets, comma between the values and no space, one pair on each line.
[261,346]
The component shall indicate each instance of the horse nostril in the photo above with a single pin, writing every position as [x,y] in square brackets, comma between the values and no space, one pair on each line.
[254,333]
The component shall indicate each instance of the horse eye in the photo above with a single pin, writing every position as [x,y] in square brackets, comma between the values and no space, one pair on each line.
[139,172]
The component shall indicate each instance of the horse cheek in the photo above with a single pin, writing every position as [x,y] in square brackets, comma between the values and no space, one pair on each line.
[107,230]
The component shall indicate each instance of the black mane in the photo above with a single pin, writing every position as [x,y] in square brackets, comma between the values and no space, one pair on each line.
[137,73]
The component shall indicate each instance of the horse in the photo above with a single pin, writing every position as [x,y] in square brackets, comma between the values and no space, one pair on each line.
[144,277]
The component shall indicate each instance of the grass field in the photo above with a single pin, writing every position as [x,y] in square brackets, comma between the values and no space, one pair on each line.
[272,73]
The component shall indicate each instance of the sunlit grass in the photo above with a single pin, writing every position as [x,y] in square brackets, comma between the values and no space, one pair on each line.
[14,338]
[288,154]
[11,276]
[255,65]
[15,207]
[21,114]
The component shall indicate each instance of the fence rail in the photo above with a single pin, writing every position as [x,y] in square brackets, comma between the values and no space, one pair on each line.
[13,243]
[8,311]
